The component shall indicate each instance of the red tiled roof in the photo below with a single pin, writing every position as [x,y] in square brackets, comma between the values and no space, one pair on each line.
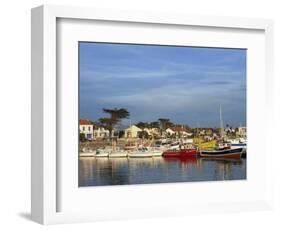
[179,129]
[85,122]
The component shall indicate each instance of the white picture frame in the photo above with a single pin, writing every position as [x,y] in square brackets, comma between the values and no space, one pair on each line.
[47,182]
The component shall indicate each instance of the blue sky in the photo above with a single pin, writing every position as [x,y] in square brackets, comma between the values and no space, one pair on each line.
[185,84]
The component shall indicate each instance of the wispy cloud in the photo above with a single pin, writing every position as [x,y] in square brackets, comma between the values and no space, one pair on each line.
[186,84]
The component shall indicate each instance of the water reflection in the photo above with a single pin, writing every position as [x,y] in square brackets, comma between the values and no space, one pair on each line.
[119,171]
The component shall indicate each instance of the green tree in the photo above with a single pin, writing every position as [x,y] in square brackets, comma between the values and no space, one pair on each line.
[154,124]
[121,133]
[82,137]
[164,124]
[142,125]
[143,134]
[107,123]
[116,115]
[169,124]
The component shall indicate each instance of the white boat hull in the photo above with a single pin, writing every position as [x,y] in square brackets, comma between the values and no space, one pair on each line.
[102,155]
[139,155]
[87,154]
[157,153]
[118,154]
[235,146]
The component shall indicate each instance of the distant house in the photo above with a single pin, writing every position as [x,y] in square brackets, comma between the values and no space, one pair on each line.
[242,132]
[101,132]
[178,131]
[202,132]
[209,131]
[152,131]
[206,131]
[148,131]
[229,130]
[132,132]
[170,132]
[86,127]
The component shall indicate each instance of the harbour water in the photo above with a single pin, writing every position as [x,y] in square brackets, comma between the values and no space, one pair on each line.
[125,171]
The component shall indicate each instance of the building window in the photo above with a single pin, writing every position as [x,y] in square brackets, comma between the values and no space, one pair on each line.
[89,128]
[83,128]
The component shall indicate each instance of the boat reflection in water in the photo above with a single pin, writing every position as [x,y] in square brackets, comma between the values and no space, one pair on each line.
[125,171]
[225,168]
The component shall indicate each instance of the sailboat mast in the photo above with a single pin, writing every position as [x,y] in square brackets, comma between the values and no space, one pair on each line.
[130,130]
[221,123]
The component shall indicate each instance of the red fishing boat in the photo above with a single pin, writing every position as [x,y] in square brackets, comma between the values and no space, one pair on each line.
[181,153]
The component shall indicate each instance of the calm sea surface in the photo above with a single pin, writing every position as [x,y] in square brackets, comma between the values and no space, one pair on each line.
[124,171]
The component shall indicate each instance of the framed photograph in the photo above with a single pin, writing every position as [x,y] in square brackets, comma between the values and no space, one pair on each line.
[138,114]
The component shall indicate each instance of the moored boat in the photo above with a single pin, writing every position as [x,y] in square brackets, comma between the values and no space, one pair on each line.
[238,143]
[130,146]
[175,145]
[205,144]
[180,153]
[87,154]
[101,153]
[140,153]
[118,154]
[156,153]
[222,153]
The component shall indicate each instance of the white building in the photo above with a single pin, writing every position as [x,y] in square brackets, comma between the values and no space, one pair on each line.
[242,132]
[86,127]
[169,131]
[132,132]
[101,132]
[152,131]
[179,131]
